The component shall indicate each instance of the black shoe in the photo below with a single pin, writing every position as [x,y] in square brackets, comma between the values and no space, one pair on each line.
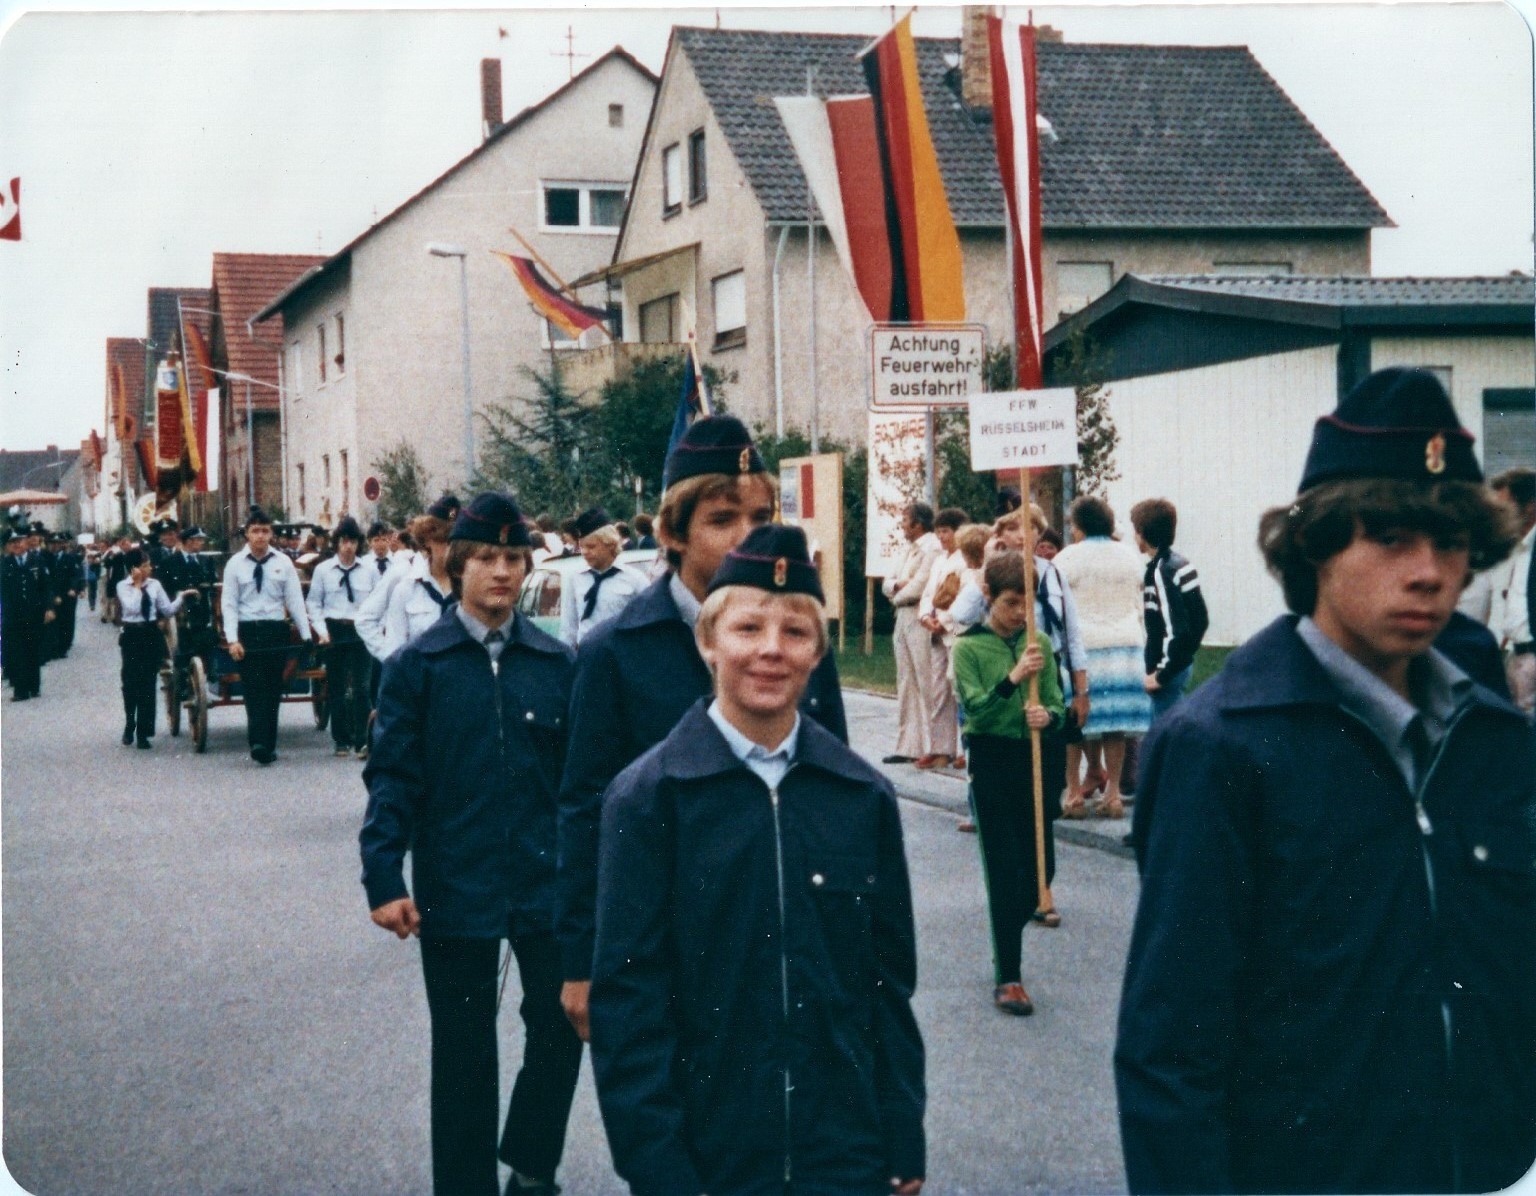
[145,745]
[128,737]
[897,759]
[263,755]
[518,1185]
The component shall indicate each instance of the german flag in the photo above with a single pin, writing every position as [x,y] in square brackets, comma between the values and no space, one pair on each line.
[927,284]
[565,314]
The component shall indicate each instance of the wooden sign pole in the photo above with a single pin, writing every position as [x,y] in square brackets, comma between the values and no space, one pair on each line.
[1041,887]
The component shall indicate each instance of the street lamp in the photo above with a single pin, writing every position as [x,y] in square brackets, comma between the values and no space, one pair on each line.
[438,249]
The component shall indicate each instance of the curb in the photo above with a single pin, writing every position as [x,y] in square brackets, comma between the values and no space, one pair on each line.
[1065,832]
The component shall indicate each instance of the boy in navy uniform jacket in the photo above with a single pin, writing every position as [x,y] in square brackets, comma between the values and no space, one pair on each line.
[752,1030]
[638,673]
[463,773]
[1332,976]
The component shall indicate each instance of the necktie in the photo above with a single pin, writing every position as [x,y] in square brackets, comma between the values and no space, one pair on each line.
[382,562]
[494,637]
[144,606]
[346,584]
[260,570]
[591,602]
[442,601]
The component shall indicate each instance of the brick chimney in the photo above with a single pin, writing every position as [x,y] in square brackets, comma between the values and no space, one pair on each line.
[975,59]
[490,96]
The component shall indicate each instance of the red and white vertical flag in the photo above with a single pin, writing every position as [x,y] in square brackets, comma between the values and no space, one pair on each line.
[10,211]
[1015,120]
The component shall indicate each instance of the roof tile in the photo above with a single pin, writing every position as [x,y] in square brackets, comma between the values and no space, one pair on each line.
[1147,136]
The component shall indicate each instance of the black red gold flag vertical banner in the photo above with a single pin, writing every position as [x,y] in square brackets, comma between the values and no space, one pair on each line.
[927,283]
[1015,124]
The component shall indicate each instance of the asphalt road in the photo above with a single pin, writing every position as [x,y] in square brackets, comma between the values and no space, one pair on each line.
[195,1001]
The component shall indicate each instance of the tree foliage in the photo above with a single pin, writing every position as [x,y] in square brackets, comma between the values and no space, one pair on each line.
[404,485]
[559,454]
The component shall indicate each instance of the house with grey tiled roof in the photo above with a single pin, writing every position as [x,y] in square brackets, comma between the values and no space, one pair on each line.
[1214,383]
[1161,159]
[377,337]
[245,356]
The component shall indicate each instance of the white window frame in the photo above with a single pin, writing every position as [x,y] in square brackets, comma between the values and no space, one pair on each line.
[296,369]
[320,353]
[730,320]
[672,178]
[584,190]
[1070,301]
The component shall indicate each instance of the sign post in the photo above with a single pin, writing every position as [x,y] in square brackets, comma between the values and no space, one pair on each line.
[1024,430]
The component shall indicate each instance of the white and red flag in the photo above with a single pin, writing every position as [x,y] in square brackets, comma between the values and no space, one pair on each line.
[1016,123]
[10,211]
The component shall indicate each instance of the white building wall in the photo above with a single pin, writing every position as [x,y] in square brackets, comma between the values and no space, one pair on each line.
[320,418]
[1224,444]
[406,325]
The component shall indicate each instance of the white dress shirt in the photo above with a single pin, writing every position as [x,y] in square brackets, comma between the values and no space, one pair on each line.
[769,767]
[1509,617]
[328,591]
[415,603]
[280,593]
[620,584]
[130,599]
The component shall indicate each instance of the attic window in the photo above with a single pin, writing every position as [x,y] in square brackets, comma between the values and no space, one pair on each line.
[615,116]
[562,207]
[671,179]
[589,207]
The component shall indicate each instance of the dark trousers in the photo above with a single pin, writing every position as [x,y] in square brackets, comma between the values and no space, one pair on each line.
[143,649]
[461,977]
[24,654]
[261,678]
[346,684]
[66,623]
[1005,830]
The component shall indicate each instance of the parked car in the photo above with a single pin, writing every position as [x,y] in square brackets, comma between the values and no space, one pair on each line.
[540,599]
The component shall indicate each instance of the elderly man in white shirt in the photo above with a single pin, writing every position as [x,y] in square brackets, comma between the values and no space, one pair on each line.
[261,592]
[1511,589]
[603,588]
[915,684]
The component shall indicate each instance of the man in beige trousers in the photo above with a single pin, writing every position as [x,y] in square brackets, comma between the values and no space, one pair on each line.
[914,656]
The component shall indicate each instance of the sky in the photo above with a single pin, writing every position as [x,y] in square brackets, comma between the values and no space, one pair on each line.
[146,141]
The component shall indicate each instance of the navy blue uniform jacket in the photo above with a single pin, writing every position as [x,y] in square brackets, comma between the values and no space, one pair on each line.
[743,934]
[463,772]
[1321,996]
[636,676]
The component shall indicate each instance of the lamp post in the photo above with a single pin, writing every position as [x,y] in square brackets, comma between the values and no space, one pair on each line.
[438,249]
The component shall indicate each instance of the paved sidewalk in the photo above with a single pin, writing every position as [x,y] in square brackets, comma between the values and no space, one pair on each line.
[872,730]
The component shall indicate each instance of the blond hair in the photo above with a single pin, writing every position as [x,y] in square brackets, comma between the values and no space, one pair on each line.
[607,535]
[714,607]
[971,540]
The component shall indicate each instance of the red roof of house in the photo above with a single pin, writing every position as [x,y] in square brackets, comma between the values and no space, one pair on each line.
[243,283]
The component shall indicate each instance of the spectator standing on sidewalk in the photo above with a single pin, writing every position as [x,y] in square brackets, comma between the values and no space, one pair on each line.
[1512,613]
[1106,580]
[912,642]
[1175,614]
[944,582]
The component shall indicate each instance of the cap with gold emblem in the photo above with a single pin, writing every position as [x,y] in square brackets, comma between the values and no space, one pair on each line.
[772,558]
[1397,423]
[714,444]
[491,519]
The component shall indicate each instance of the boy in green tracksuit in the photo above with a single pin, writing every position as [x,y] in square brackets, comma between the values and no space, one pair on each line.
[991,662]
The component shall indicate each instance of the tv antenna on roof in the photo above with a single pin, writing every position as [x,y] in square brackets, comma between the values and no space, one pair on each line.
[569,53]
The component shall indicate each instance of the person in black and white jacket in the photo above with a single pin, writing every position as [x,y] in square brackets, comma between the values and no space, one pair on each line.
[1175,609]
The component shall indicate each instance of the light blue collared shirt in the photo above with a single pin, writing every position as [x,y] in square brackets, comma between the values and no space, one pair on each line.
[478,631]
[687,605]
[769,767]
[1439,684]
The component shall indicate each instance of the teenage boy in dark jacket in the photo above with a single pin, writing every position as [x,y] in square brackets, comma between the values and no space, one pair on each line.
[752,1029]
[466,761]
[1332,976]
[1175,613]
[638,673]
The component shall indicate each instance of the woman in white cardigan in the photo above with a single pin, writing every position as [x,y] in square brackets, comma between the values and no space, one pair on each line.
[1106,579]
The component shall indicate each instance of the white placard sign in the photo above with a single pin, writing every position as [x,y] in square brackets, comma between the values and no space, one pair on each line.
[925,365]
[1024,429]
[896,480]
